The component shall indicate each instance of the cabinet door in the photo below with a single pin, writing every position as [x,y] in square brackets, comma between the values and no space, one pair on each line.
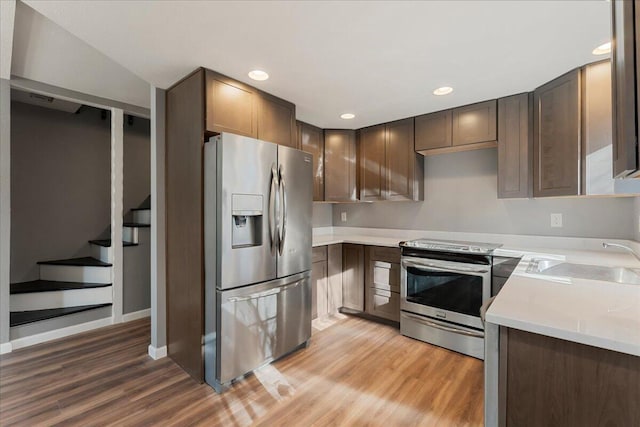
[340,165]
[384,304]
[515,146]
[334,278]
[230,106]
[625,89]
[556,137]
[319,289]
[474,123]
[319,282]
[372,163]
[311,140]
[353,277]
[400,161]
[276,120]
[433,130]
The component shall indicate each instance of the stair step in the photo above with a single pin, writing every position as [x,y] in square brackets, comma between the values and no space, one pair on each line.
[136,224]
[18,318]
[50,285]
[80,262]
[106,243]
[140,209]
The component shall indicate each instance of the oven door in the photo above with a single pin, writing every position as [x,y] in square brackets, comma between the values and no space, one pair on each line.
[446,290]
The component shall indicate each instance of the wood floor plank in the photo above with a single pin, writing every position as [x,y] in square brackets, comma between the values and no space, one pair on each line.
[354,373]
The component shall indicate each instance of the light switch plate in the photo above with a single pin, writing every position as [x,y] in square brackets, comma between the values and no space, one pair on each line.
[556,220]
[343,216]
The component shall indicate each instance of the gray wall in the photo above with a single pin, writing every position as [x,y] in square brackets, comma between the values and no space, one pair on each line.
[322,214]
[60,182]
[461,195]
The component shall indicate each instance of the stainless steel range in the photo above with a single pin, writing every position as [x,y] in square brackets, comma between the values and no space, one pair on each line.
[444,284]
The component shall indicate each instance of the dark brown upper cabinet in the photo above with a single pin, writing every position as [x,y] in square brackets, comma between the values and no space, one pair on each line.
[230,105]
[340,165]
[556,136]
[433,130]
[311,140]
[276,120]
[234,107]
[515,146]
[404,168]
[390,169]
[470,127]
[625,25]
[372,141]
[474,124]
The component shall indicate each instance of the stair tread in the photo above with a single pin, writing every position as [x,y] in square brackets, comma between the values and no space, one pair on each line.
[107,243]
[18,318]
[50,285]
[81,262]
[136,224]
[141,209]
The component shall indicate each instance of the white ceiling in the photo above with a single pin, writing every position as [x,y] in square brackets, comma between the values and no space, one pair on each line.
[380,60]
[47,53]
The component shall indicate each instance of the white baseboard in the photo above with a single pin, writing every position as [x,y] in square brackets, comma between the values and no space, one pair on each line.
[5,347]
[128,317]
[157,353]
[60,333]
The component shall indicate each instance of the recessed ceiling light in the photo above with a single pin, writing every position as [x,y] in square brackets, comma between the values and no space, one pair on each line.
[603,49]
[347,116]
[444,90]
[258,75]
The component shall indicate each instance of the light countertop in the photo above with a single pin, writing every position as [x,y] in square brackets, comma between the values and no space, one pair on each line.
[591,312]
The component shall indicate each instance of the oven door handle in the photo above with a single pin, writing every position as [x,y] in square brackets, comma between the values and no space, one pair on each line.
[444,328]
[426,266]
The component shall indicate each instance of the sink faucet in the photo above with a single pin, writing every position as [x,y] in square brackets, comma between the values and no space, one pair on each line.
[616,245]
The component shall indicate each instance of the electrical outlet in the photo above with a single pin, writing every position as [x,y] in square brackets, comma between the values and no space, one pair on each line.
[556,220]
[343,216]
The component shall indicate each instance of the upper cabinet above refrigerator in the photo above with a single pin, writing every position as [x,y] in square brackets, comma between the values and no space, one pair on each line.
[625,25]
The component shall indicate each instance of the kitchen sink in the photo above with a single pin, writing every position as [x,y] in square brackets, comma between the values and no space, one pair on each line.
[551,267]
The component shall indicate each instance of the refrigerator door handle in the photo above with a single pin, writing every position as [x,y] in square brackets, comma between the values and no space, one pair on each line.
[274,197]
[283,222]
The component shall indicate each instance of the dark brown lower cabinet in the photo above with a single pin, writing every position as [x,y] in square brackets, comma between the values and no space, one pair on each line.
[326,280]
[382,282]
[353,277]
[551,382]
[319,275]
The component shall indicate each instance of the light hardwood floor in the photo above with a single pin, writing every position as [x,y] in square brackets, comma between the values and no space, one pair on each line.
[354,373]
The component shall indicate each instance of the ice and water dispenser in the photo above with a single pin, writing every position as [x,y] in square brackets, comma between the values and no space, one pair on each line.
[247,215]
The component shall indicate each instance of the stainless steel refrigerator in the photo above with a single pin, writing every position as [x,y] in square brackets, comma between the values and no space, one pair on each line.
[257,221]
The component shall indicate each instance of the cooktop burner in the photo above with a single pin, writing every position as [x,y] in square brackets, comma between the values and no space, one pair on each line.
[451,246]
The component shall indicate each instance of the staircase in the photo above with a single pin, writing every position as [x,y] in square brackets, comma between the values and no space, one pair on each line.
[76,287]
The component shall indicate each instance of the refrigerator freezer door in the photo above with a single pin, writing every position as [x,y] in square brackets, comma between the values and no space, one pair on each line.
[245,210]
[296,190]
[261,323]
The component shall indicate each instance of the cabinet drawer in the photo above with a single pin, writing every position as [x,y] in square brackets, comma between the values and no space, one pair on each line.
[386,276]
[319,254]
[382,253]
[384,304]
